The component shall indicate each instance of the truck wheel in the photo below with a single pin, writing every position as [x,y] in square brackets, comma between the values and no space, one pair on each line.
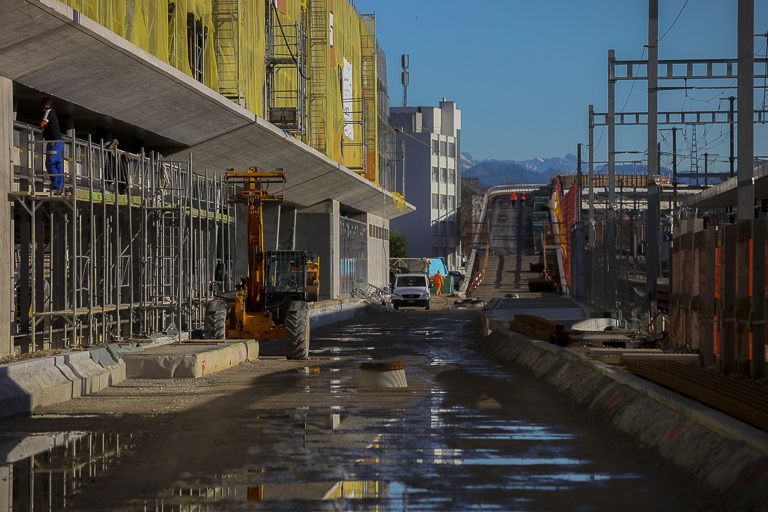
[215,320]
[297,330]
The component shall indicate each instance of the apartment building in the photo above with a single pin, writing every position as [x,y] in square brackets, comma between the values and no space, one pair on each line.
[430,139]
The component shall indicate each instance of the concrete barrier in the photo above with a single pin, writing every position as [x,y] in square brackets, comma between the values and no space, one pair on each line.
[27,385]
[727,454]
[30,384]
[189,360]
[332,311]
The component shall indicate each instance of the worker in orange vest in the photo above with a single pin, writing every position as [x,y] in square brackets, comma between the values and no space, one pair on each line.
[522,198]
[438,280]
[513,197]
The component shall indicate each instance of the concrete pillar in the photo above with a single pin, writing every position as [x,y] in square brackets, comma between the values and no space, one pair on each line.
[611,129]
[652,254]
[609,287]
[6,487]
[578,260]
[746,100]
[591,175]
[317,231]
[6,211]
[378,251]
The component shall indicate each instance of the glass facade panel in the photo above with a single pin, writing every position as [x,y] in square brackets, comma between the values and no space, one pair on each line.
[353,254]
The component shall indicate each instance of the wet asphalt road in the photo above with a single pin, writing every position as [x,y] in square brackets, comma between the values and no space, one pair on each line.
[468,434]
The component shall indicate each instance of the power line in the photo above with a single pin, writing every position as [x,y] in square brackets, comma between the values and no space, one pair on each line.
[673,22]
[642,55]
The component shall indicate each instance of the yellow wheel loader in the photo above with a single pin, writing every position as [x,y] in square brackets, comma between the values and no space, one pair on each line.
[271,302]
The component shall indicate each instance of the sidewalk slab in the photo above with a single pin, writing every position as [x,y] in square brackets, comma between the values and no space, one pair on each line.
[189,360]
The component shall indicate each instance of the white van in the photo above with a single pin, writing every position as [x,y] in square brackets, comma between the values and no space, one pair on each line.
[411,290]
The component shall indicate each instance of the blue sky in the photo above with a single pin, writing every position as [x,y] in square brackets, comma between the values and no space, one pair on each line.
[525,71]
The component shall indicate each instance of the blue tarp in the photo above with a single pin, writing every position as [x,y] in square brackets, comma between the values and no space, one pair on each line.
[437,264]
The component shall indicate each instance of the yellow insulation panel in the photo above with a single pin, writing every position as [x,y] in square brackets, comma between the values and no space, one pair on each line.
[160,27]
[239,45]
[346,47]
[149,25]
[292,14]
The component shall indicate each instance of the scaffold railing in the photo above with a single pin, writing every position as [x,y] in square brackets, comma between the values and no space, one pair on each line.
[134,244]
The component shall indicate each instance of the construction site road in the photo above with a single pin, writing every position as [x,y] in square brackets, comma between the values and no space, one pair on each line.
[468,433]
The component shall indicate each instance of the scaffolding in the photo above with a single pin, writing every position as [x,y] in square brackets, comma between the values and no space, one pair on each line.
[318,68]
[286,73]
[135,245]
[386,135]
[226,22]
[368,54]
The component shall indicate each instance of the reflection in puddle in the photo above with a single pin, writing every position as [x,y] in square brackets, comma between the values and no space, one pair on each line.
[42,472]
[237,487]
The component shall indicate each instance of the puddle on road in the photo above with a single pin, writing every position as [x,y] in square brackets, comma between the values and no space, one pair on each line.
[426,453]
[42,472]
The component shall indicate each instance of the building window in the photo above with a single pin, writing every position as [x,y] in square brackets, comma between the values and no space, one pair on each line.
[443,147]
[443,175]
[435,147]
[451,175]
[451,202]
[378,232]
[452,150]
[435,201]
[196,37]
[443,201]
[435,174]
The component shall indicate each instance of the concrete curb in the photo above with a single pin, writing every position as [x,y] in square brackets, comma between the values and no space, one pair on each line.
[27,385]
[727,454]
[333,311]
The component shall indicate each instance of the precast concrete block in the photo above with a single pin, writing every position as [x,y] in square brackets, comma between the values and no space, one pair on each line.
[252,347]
[30,384]
[93,377]
[102,357]
[188,361]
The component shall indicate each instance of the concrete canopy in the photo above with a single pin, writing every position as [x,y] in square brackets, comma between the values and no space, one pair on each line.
[49,47]
[724,195]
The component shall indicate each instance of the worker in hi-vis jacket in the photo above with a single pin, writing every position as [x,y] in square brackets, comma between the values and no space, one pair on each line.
[438,280]
[54,161]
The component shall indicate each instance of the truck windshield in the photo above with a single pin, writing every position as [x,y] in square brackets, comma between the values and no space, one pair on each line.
[411,281]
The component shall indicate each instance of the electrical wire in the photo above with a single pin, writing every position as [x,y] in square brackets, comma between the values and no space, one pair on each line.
[631,89]
[285,40]
[439,153]
[673,22]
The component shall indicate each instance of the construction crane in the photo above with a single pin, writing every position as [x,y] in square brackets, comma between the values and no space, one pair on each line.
[271,302]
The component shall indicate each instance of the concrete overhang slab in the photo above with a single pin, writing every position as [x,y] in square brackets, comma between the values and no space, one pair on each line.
[49,47]
[724,195]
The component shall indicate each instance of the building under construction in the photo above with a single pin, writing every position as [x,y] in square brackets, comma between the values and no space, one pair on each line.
[156,100]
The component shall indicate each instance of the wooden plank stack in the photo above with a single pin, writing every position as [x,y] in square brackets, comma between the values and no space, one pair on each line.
[540,329]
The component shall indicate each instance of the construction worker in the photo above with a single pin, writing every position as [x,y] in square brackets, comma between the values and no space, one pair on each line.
[513,197]
[54,152]
[438,280]
[522,198]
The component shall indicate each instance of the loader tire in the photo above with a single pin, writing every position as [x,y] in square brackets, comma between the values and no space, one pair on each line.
[297,330]
[215,320]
